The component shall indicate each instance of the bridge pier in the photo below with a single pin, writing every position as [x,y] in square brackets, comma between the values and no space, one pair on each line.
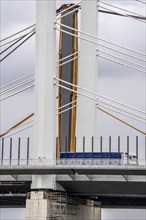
[45,206]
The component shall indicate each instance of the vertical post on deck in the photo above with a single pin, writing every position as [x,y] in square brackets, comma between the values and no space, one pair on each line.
[2,155]
[92,146]
[128,150]
[137,150]
[87,78]
[100,149]
[45,117]
[27,151]
[19,142]
[10,151]
[119,145]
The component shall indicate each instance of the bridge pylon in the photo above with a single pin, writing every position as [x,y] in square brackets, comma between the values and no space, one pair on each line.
[45,91]
[87,77]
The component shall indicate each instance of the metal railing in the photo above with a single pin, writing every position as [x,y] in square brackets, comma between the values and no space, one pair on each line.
[15,153]
[8,153]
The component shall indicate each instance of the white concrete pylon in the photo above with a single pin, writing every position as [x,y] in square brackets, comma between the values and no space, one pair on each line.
[86,110]
[44,146]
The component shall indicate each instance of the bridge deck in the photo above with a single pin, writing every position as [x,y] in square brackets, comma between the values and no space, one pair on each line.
[73,169]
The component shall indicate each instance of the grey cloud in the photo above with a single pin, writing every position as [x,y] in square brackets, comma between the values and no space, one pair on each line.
[16,12]
[20,62]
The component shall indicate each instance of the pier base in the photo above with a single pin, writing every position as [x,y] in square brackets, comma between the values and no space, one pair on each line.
[48,206]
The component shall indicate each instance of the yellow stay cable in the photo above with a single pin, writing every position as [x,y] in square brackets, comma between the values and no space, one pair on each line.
[16,125]
[29,116]
[142,132]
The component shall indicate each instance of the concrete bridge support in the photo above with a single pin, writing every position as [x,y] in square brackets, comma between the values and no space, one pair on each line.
[49,206]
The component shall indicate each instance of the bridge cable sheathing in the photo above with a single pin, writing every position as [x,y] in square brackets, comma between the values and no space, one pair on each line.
[103,110]
[17,92]
[120,58]
[63,106]
[120,108]
[17,47]
[13,44]
[100,55]
[18,79]
[141,1]
[11,41]
[22,121]
[121,113]
[77,92]
[122,9]
[123,64]
[98,38]
[17,86]
[94,93]
[21,130]
[16,125]
[112,12]
[113,116]
[4,39]
[87,96]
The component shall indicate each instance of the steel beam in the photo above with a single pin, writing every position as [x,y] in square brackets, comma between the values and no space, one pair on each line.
[68,170]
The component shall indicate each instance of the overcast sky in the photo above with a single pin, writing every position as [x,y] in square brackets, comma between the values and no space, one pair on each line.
[114,81]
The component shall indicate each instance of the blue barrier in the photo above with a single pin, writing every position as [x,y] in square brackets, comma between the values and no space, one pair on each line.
[88,155]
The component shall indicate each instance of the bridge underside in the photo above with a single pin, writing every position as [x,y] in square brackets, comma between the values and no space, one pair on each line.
[126,192]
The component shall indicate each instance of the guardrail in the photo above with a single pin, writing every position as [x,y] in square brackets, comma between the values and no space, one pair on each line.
[72,162]
[18,152]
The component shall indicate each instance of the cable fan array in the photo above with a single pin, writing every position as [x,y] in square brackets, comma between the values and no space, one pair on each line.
[15,87]
[109,47]
[15,41]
